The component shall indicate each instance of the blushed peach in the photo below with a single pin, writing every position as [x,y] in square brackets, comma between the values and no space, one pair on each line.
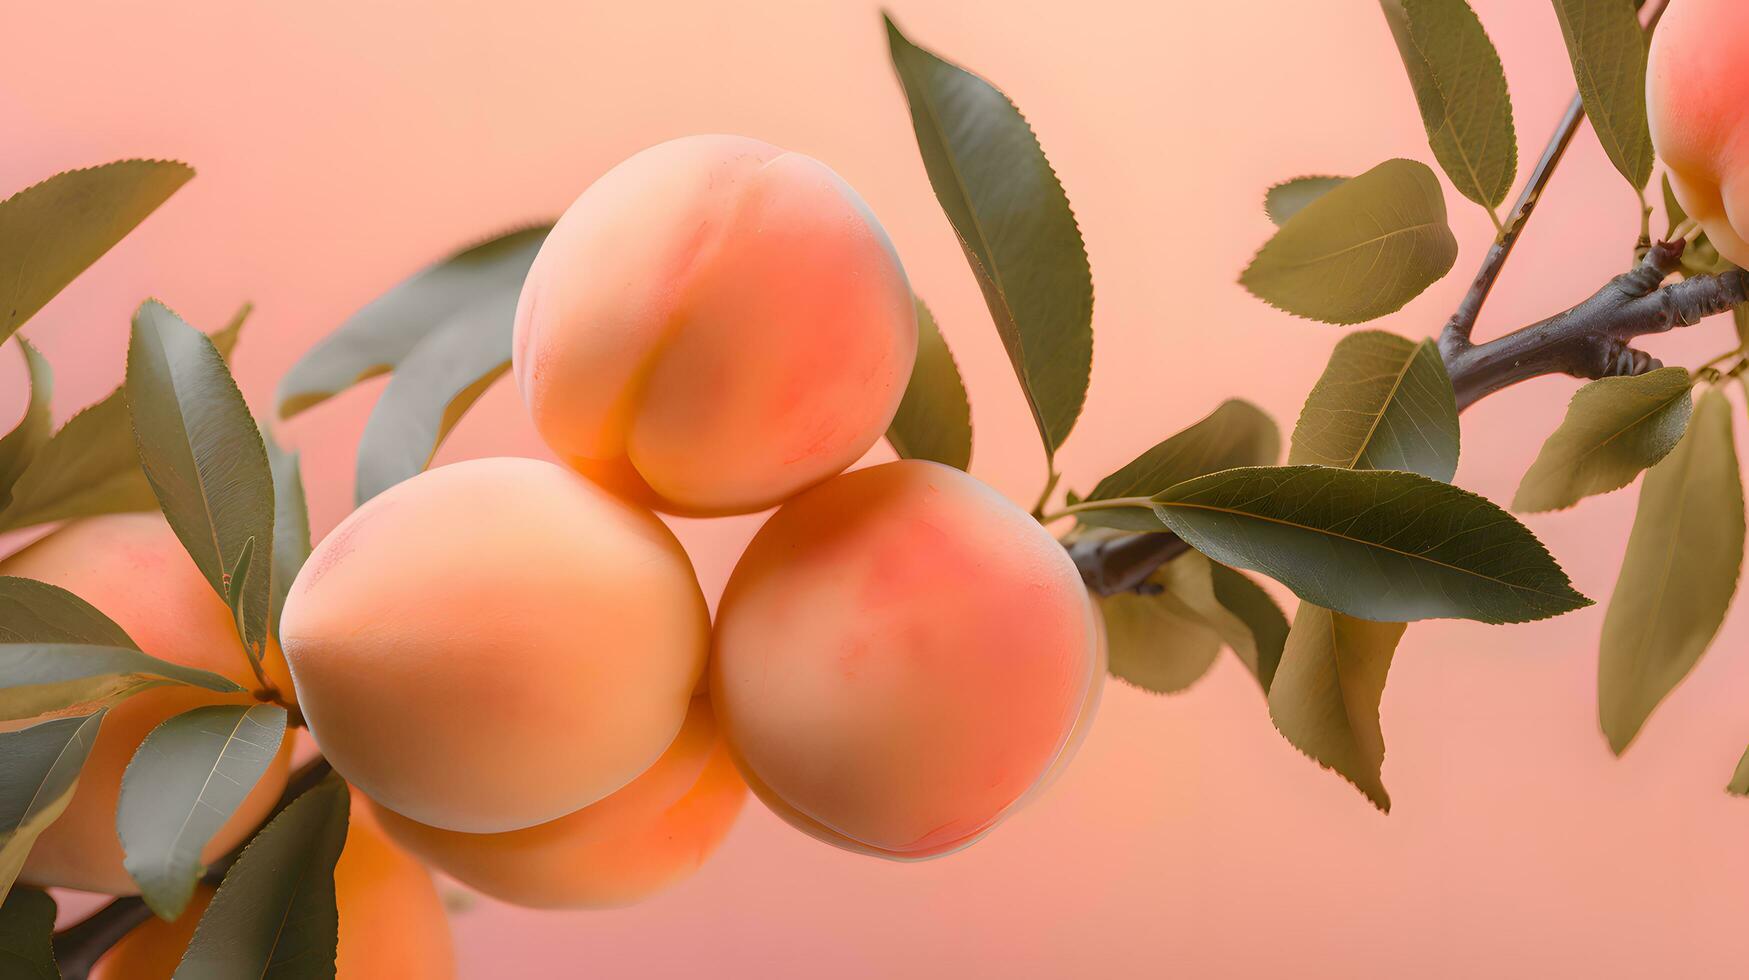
[132,568]
[494,644]
[1695,82]
[713,326]
[900,657]
[656,831]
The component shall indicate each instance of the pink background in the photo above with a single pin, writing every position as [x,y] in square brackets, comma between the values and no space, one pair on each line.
[343,145]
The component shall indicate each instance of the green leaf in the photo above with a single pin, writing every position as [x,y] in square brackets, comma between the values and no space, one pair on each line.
[1261,618]
[39,769]
[1015,225]
[1386,545]
[52,231]
[1461,91]
[1362,250]
[1325,699]
[274,916]
[204,459]
[1288,198]
[378,337]
[27,934]
[39,677]
[1608,50]
[37,612]
[1681,568]
[934,419]
[1236,433]
[1614,428]
[291,522]
[34,429]
[1672,209]
[1739,785]
[1383,403]
[1155,643]
[1740,316]
[185,781]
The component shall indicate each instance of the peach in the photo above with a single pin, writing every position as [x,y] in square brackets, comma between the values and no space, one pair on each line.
[713,326]
[1695,80]
[621,850]
[135,571]
[494,644]
[392,922]
[900,657]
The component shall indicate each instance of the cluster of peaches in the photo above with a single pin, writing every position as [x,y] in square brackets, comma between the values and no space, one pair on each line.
[513,662]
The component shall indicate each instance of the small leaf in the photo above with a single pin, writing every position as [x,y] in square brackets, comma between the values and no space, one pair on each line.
[203,458]
[34,429]
[1236,433]
[378,337]
[37,612]
[274,916]
[1014,223]
[1461,91]
[1672,209]
[934,419]
[39,769]
[1155,643]
[1362,250]
[185,781]
[1608,50]
[1380,544]
[36,678]
[52,231]
[1288,198]
[1739,785]
[291,522]
[1325,699]
[1681,568]
[1740,316]
[1614,428]
[27,935]
[1383,403]
[1261,618]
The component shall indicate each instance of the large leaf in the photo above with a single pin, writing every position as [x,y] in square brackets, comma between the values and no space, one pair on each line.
[1015,225]
[205,461]
[1614,428]
[27,934]
[185,781]
[291,521]
[1683,558]
[37,612]
[1608,50]
[1461,91]
[1325,699]
[934,420]
[1236,433]
[39,677]
[1288,198]
[1383,403]
[39,769]
[274,917]
[34,429]
[52,231]
[1386,545]
[1361,250]
[378,337]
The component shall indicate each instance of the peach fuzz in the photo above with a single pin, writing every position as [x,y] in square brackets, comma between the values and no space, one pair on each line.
[132,568]
[900,658]
[713,326]
[641,840]
[494,644]
[1696,77]
[392,921]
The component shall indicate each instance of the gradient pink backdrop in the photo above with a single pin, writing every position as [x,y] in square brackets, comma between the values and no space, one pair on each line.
[343,145]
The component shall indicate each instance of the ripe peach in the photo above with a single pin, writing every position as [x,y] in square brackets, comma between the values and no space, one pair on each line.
[494,644]
[392,922]
[1695,79]
[900,657]
[713,326]
[135,571]
[656,831]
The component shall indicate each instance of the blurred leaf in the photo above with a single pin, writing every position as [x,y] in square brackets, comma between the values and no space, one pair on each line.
[1740,316]
[1383,403]
[1236,433]
[1739,785]
[1288,198]
[1461,91]
[39,677]
[1015,225]
[1608,50]
[1672,209]
[1325,699]
[185,781]
[37,612]
[1155,643]
[1362,250]
[52,231]
[39,769]
[934,419]
[378,337]
[1262,620]
[1376,544]
[204,459]
[274,917]
[291,522]
[1681,568]
[1614,428]
[27,935]
[34,429]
